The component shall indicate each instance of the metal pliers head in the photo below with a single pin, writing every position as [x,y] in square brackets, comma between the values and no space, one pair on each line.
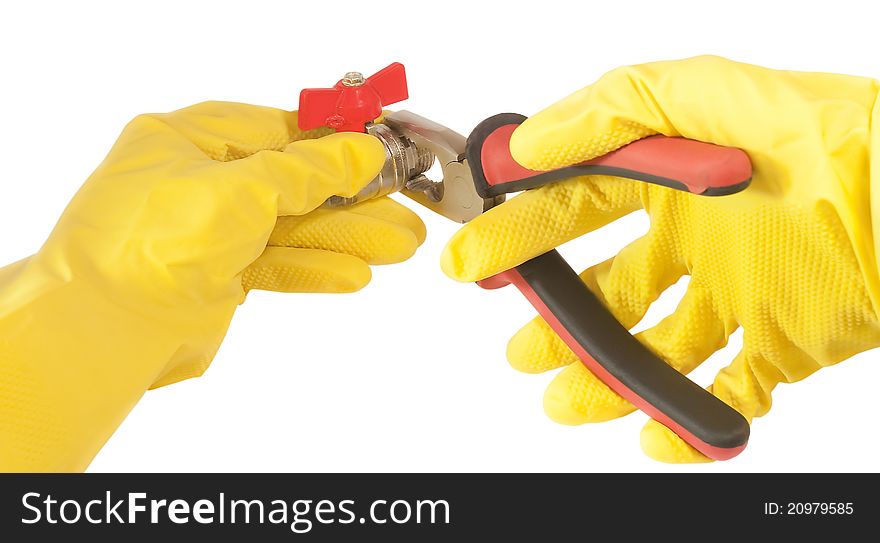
[455,195]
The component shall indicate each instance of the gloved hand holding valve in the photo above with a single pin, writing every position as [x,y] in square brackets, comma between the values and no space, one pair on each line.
[138,281]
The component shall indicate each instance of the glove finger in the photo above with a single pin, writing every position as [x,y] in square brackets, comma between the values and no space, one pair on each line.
[576,396]
[700,98]
[237,203]
[663,445]
[379,231]
[631,281]
[387,209]
[228,131]
[746,384]
[303,176]
[684,339]
[534,222]
[690,335]
[286,269]
[536,348]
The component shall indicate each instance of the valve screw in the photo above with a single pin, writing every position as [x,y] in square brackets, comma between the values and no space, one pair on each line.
[353,79]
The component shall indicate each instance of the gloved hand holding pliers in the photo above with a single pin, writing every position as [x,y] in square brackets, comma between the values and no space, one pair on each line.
[792,259]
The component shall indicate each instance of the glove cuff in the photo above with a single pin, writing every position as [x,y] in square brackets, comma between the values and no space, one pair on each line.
[72,365]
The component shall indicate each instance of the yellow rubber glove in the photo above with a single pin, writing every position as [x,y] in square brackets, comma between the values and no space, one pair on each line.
[137,284]
[792,259]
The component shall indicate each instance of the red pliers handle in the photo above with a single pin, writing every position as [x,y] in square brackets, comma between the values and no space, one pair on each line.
[578,316]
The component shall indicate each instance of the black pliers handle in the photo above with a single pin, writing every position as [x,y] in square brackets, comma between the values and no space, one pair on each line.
[578,316]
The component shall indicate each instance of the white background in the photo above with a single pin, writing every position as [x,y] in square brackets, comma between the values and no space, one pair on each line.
[408,374]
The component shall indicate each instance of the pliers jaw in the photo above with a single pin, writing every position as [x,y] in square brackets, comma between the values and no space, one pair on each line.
[455,195]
